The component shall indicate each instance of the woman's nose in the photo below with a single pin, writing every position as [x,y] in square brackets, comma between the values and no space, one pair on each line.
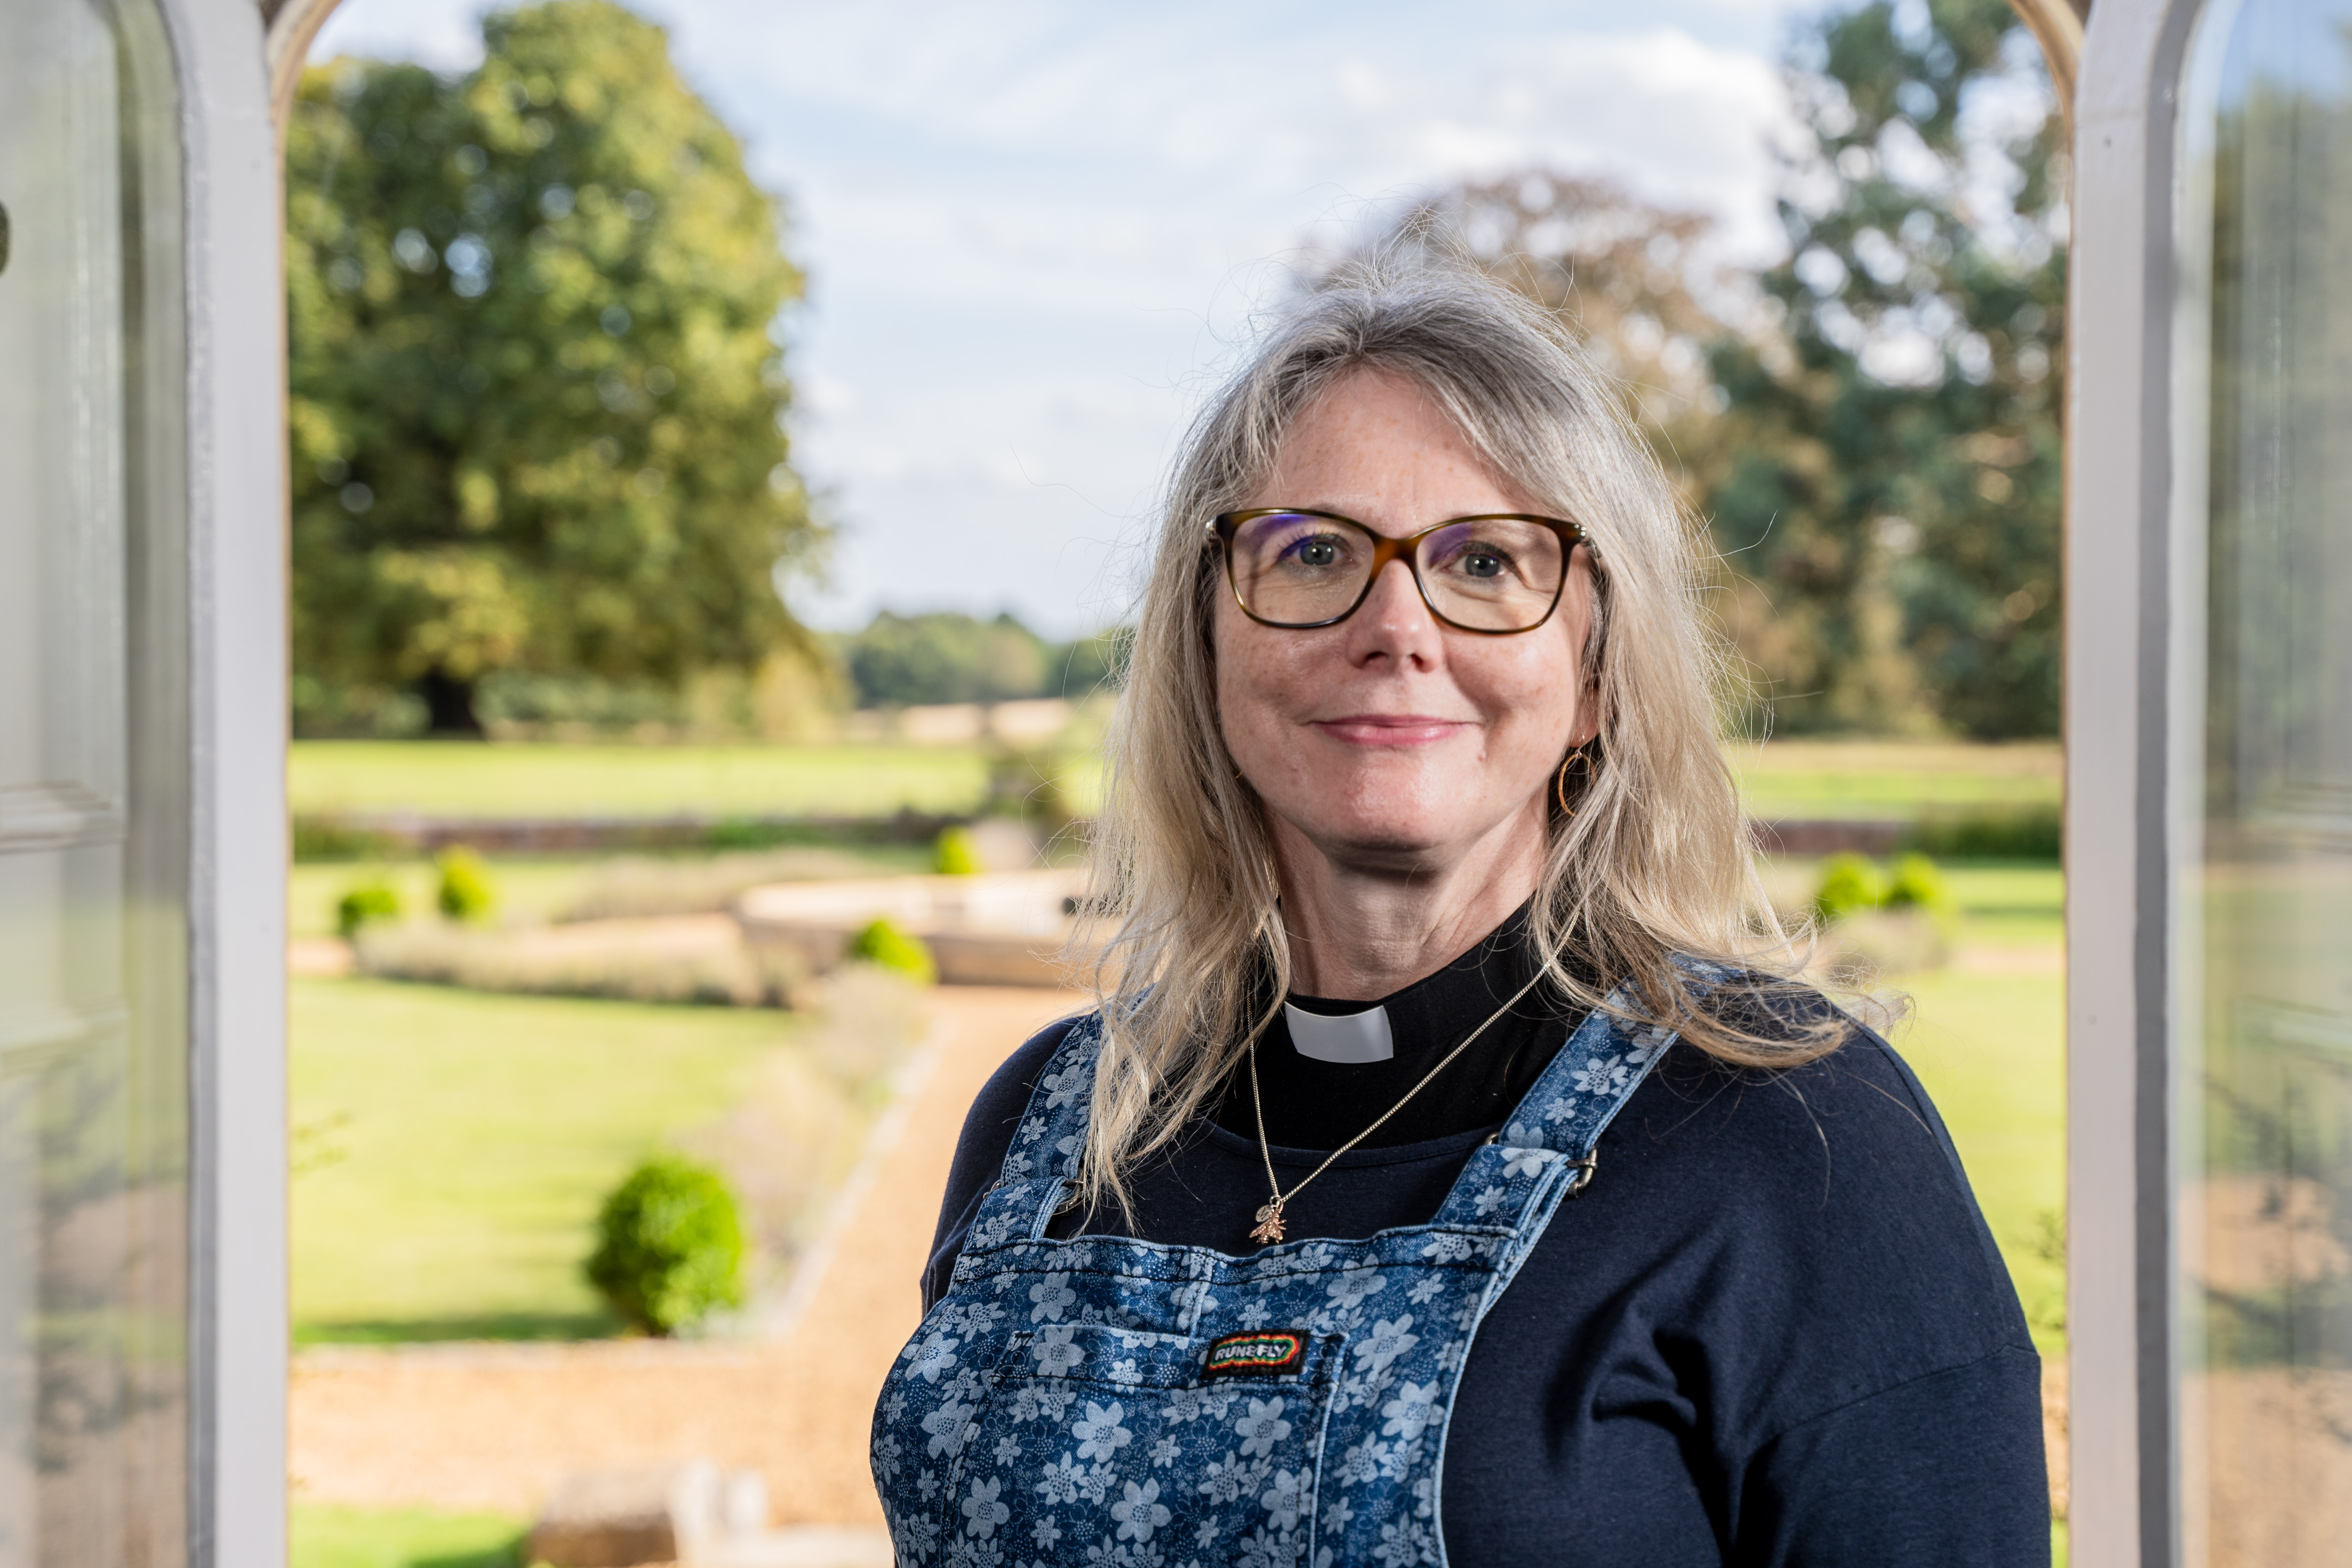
[1392,621]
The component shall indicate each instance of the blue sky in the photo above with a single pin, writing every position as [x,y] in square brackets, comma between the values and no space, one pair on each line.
[1037,232]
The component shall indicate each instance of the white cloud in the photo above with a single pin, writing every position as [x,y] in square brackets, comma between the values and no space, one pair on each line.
[444,34]
[1026,491]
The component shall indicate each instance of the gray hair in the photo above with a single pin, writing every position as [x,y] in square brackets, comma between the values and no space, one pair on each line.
[1653,868]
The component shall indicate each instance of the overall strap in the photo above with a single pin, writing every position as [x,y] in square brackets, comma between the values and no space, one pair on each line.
[1052,1137]
[1590,1079]
[1546,1150]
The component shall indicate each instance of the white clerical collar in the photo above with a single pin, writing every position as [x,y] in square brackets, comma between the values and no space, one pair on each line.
[1350,1039]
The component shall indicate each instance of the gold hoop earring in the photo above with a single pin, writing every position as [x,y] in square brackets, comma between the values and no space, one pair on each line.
[1560,784]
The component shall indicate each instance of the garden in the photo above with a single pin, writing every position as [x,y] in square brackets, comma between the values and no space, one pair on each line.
[564,719]
[471,1143]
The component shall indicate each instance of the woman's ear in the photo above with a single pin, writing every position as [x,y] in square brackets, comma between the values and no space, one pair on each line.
[1587,727]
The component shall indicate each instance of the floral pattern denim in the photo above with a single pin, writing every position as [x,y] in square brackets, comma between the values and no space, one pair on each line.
[1060,1403]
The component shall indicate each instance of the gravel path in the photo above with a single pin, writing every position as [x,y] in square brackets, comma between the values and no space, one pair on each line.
[492,1427]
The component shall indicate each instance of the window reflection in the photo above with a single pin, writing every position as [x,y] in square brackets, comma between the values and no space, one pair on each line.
[93,813]
[2266,1017]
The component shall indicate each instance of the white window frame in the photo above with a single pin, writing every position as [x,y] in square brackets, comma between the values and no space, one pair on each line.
[238,1317]
[2132,726]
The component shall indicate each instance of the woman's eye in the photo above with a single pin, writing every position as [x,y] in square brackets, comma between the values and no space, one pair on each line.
[1479,564]
[1320,552]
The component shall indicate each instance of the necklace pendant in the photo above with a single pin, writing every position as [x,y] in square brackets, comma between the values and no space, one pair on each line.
[1269,1223]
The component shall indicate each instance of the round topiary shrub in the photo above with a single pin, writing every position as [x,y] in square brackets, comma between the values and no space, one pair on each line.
[669,1246]
[1918,884]
[1848,883]
[884,946]
[956,854]
[370,903]
[466,892]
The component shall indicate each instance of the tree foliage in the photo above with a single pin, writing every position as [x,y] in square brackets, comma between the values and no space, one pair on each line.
[1870,427]
[1643,286]
[534,397]
[1885,481]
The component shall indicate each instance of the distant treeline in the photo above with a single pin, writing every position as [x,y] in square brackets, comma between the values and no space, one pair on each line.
[898,660]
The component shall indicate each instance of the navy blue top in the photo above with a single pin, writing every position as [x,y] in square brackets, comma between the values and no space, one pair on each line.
[1775,1330]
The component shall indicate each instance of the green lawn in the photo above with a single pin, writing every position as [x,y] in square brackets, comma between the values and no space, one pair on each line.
[1992,1051]
[1781,778]
[547,779]
[451,1147]
[1892,779]
[2008,904]
[325,1536]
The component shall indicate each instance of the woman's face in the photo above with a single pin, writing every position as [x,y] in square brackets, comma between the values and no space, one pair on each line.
[1391,740]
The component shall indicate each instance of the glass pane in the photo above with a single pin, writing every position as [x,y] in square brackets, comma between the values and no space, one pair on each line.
[93,969]
[2266,951]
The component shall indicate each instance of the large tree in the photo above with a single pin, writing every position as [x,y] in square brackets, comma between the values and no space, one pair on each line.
[1886,482]
[535,399]
[1643,286]
[1870,427]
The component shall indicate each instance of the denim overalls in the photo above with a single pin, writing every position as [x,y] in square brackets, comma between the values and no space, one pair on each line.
[1105,1401]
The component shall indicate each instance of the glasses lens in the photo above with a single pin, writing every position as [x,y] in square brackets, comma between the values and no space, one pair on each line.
[1493,573]
[1295,570]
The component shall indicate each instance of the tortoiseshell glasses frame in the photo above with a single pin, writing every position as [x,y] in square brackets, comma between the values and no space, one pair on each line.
[1520,608]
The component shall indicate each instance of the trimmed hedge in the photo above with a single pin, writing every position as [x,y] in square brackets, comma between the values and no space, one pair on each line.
[955,854]
[1848,883]
[884,945]
[1989,833]
[369,903]
[466,892]
[669,1246]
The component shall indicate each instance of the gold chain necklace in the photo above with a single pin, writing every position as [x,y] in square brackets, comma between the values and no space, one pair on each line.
[1269,1218]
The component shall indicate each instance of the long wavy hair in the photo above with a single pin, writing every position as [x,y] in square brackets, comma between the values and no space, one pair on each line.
[1181,937]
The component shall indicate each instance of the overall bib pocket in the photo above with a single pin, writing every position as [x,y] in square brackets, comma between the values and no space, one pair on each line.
[1138,1443]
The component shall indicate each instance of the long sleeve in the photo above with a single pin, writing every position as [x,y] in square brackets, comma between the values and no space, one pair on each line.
[1929,1474]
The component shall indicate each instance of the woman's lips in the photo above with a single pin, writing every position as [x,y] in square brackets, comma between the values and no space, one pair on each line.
[1391,729]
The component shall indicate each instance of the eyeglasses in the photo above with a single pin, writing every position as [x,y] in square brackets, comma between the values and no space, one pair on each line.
[1497,574]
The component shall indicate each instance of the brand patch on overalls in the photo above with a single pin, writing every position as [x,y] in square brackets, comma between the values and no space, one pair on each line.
[1276,1352]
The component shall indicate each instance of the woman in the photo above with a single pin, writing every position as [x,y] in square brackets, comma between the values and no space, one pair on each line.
[1426,904]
